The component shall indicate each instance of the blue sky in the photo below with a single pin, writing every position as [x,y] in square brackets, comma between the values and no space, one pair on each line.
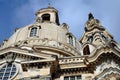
[19,13]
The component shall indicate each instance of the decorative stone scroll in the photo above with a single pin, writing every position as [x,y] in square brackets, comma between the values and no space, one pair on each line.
[10,57]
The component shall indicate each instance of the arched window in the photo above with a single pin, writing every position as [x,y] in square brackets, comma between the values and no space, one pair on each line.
[7,71]
[33,32]
[86,50]
[46,17]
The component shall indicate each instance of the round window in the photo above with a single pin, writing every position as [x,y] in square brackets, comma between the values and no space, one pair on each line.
[7,71]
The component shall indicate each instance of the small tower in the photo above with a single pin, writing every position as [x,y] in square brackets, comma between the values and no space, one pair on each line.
[48,14]
[95,35]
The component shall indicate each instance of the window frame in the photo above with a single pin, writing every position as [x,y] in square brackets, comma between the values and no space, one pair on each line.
[11,74]
[71,39]
[33,32]
[36,32]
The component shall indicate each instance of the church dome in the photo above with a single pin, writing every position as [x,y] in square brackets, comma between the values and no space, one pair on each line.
[45,32]
[37,31]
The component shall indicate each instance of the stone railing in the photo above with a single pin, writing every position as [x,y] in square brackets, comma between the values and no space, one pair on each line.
[45,42]
[71,60]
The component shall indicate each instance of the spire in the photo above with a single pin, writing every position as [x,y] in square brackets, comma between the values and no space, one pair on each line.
[95,33]
[92,23]
[90,16]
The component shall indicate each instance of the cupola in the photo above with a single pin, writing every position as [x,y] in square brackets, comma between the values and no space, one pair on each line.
[48,14]
[95,35]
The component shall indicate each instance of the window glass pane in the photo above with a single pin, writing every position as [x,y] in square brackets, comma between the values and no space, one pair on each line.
[79,78]
[0,78]
[1,74]
[13,69]
[47,78]
[5,78]
[70,39]
[33,32]
[2,70]
[12,73]
[9,65]
[8,69]
[66,78]
[72,78]
[6,74]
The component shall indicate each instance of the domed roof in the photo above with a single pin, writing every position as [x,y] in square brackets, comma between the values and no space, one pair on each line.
[45,32]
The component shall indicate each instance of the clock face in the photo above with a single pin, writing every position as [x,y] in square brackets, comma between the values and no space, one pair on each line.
[7,71]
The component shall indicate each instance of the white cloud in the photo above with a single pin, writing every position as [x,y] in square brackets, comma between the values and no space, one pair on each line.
[75,12]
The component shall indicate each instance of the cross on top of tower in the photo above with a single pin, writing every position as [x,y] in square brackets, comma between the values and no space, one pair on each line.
[49,5]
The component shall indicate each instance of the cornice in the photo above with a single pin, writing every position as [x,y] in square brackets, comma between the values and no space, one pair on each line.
[102,50]
[24,52]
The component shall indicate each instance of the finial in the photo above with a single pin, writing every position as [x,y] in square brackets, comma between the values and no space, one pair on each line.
[90,16]
[49,5]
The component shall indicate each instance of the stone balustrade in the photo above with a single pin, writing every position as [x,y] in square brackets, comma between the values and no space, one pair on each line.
[71,60]
[54,44]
